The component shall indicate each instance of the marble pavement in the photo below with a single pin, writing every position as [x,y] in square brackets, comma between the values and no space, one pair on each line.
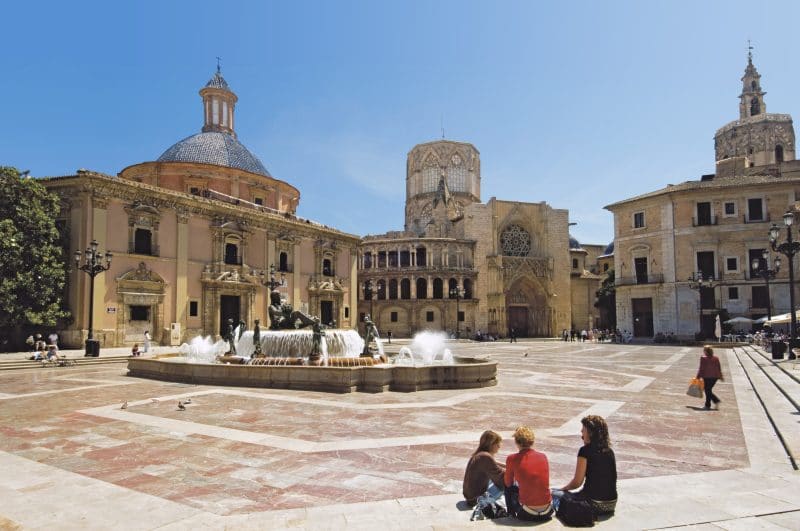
[243,458]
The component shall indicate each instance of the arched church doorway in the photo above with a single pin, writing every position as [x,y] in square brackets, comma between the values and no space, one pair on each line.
[518,320]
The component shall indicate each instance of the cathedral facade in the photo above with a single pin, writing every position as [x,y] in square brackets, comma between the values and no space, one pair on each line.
[198,236]
[464,266]
[691,251]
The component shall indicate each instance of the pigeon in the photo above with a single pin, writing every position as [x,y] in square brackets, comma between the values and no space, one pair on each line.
[526,355]
[187,401]
[124,405]
[181,407]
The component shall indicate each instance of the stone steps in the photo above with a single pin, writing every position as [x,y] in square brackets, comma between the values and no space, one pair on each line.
[779,393]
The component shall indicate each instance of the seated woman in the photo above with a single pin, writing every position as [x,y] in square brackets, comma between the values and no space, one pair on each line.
[52,353]
[483,473]
[135,350]
[527,480]
[596,468]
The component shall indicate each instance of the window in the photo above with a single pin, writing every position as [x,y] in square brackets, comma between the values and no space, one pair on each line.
[733,294]
[429,317]
[704,216]
[143,242]
[457,177]
[327,269]
[574,263]
[421,257]
[259,201]
[755,209]
[731,263]
[140,313]
[779,153]
[515,241]
[367,260]
[467,288]
[640,266]
[730,209]
[438,288]
[605,267]
[194,190]
[346,312]
[192,308]
[430,178]
[393,289]
[638,220]
[283,262]
[231,254]
[422,288]
[460,316]
[405,259]
[393,317]
[705,264]
[405,289]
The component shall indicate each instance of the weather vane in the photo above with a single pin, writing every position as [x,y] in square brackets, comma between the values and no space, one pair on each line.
[220,58]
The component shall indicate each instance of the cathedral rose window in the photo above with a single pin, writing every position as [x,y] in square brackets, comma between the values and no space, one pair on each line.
[515,241]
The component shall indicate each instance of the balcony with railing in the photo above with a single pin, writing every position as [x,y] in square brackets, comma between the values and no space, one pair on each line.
[147,250]
[701,221]
[764,218]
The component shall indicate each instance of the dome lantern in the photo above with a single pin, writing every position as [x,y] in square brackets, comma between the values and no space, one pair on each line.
[218,105]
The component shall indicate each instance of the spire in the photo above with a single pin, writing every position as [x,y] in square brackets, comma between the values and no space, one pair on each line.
[218,104]
[752,97]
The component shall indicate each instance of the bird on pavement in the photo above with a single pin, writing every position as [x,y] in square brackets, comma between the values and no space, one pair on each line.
[526,355]
[181,407]
[124,405]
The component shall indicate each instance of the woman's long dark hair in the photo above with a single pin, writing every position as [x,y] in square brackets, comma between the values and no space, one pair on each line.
[598,432]
[488,439]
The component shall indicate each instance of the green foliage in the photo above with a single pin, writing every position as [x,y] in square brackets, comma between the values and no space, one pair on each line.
[32,272]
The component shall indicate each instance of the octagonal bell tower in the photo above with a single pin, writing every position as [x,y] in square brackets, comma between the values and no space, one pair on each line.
[441,176]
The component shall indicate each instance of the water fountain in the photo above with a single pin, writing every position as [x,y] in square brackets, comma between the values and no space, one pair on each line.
[324,360]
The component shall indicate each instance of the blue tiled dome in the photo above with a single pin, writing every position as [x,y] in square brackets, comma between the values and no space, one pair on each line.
[221,149]
[218,82]
[609,249]
[573,243]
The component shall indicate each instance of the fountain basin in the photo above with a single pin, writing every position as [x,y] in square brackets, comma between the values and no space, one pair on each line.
[468,373]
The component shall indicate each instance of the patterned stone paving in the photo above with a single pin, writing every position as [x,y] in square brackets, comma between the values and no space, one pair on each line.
[239,450]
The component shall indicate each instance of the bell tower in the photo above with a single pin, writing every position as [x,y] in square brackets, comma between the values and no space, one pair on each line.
[218,105]
[751,100]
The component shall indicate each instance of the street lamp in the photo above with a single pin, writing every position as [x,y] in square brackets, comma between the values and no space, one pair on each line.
[456,293]
[92,266]
[368,289]
[788,248]
[274,283]
[698,281]
[761,268]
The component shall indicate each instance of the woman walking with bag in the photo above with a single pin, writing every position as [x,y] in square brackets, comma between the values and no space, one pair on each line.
[710,371]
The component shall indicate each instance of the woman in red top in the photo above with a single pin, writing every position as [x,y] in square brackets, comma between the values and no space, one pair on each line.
[528,480]
[710,372]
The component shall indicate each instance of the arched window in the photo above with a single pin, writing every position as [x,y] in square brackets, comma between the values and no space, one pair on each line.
[367,291]
[467,288]
[393,289]
[405,289]
[422,288]
[457,175]
[755,107]
[779,153]
[283,262]
[381,290]
[430,176]
[232,254]
[327,269]
[753,86]
[421,257]
[367,260]
[437,288]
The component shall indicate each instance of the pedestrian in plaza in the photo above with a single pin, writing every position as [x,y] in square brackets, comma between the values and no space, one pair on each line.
[39,344]
[135,350]
[147,341]
[595,470]
[710,371]
[527,480]
[512,336]
[484,475]
[53,339]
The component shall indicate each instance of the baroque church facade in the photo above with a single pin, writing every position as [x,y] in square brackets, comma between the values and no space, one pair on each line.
[464,266]
[688,252]
[197,236]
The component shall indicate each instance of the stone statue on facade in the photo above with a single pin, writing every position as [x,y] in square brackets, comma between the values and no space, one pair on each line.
[283,317]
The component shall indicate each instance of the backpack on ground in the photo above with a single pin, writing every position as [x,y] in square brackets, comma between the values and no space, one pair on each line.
[575,512]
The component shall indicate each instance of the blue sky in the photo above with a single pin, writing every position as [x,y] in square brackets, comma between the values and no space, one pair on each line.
[579,104]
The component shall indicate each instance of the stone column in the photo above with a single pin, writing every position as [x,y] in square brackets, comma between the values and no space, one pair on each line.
[181,270]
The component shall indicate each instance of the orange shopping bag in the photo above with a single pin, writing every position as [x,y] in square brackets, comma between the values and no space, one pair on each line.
[695,388]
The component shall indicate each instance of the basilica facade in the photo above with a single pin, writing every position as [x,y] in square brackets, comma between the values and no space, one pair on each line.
[694,250]
[464,266]
[198,236]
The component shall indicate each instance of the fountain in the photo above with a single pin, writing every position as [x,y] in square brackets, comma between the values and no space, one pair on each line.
[318,359]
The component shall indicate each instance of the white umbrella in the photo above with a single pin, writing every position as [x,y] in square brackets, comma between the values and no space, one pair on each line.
[718,328]
[761,320]
[781,319]
[739,320]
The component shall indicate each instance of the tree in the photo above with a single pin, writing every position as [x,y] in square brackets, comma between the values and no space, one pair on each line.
[607,301]
[32,271]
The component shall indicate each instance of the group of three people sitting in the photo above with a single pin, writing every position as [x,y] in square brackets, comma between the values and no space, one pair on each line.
[525,478]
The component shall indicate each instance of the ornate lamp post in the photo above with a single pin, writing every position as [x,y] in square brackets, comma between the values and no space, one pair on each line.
[761,268]
[92,266]
[789,248]
[368,289]
[274,283]
[699,282]
[456,293]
